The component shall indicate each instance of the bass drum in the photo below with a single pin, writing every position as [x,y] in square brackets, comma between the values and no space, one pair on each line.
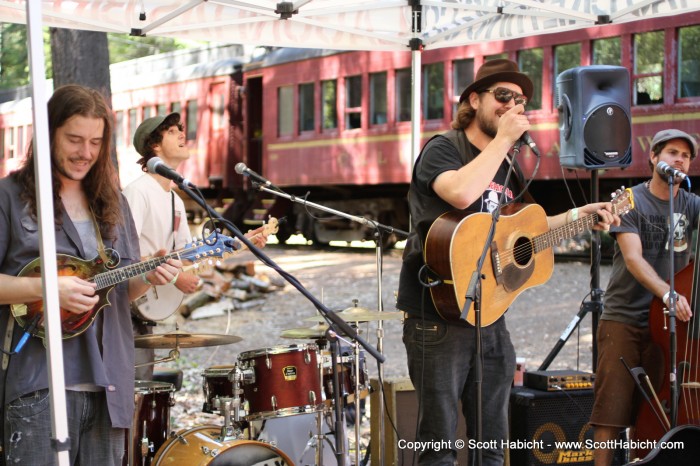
[203,446]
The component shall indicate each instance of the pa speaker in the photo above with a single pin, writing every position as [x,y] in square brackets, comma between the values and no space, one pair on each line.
[595,128]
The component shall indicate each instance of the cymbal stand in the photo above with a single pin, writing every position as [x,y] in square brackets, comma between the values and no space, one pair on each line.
[173,355]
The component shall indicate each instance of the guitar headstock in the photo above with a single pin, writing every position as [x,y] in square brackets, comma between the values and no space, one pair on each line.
[622,201]
[271,227]
[215,245]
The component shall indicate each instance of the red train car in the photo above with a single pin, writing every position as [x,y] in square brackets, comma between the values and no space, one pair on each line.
[334,127]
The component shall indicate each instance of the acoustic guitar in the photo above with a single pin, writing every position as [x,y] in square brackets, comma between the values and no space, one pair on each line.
[519,256]
[161,301]
[106,276]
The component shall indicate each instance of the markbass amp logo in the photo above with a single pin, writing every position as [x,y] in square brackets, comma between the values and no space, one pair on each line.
[555,448]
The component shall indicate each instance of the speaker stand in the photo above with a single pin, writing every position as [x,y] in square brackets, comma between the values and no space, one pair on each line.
[595,305]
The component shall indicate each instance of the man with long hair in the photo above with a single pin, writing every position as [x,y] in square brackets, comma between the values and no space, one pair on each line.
[92,220]
[466,169]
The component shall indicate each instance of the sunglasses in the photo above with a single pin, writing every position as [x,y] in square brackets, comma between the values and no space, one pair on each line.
[503,95]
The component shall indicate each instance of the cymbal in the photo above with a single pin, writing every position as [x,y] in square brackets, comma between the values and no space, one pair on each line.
[306,333]
[178,339]
[360,314]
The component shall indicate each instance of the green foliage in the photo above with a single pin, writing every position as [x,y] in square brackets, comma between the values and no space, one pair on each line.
[14,51]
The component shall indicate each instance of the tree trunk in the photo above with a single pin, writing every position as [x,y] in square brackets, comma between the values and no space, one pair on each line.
[82,57]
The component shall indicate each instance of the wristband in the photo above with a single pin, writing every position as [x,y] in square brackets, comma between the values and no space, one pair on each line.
[145,280]
[668,295]
[172,282]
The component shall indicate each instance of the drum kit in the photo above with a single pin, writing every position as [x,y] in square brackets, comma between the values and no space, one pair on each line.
[276,402]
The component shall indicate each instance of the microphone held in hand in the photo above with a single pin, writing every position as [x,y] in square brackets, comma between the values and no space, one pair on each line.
[241,169]
[527,140]
[665,169]
[156,165]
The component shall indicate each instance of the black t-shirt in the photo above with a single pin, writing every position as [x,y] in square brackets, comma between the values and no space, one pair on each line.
[439,155]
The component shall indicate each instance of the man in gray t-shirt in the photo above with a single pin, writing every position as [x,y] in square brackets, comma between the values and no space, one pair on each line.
[640,272]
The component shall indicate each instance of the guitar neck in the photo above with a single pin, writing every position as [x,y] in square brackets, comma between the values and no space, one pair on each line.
[555,236]
[112,277]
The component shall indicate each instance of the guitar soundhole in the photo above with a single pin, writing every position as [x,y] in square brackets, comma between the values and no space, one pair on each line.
[522,252]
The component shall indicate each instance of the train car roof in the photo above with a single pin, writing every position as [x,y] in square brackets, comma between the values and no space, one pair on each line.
[177,66]
[283,55]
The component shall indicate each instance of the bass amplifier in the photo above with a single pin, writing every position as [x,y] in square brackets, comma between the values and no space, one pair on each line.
[540,419]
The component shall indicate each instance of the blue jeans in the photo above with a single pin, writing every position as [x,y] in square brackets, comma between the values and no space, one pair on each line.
[441,363]
[93,441]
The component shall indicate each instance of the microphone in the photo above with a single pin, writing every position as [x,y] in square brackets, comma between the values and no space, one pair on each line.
[527,140]
[665,169]
[156,165]
[241,169]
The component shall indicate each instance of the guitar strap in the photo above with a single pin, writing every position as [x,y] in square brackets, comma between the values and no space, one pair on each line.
[100,245]
[172,209]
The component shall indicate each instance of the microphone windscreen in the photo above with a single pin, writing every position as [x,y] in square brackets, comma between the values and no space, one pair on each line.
[152,164]
[240,168]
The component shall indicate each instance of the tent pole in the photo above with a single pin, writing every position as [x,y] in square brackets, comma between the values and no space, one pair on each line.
[45,207]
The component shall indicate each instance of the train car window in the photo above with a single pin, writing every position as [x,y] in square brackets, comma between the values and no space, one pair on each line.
[285,111]
[176,107]
[689,62]
[377,98]
[329,102]
[566,56]
[434,91]
[462,76]
[119,128]
[191,125]
[162,109]
[306,107]
[147,112]
[648,68]
[530,62]
[607,51]
[353,102]
[403,94]
[20,141]
[495,56]
[133,121]
[11,143]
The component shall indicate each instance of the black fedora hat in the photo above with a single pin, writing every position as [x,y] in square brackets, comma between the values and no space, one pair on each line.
[498,70]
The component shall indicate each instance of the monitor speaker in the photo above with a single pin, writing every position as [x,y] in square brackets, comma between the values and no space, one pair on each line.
[402,405]
[595,130]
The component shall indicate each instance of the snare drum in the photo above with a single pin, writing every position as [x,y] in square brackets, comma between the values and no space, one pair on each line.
[281,381]
[151,424]
[216,385]
[203,446]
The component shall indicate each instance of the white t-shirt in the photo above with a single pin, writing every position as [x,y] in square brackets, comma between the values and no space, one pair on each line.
[152,209]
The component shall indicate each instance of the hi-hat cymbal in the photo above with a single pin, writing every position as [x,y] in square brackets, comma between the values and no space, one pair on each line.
[178,339]
[360,314]
[306,333]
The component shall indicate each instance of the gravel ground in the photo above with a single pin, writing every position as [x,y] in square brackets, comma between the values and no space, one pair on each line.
[338,277]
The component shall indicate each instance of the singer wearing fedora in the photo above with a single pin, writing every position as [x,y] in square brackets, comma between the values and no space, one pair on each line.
[159,212]
[640,271]
[465,169]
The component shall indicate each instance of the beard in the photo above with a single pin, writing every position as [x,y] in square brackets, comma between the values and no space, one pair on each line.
[485,125]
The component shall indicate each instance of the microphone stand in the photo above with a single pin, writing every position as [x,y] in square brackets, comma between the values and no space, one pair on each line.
[379,228]
[672,309]
[334,321]
[473,294]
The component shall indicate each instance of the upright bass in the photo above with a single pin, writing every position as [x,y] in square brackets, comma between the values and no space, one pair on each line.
[648,426]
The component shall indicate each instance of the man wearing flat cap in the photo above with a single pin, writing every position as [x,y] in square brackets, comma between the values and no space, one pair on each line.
[466,169]
[159,216]
[640,272]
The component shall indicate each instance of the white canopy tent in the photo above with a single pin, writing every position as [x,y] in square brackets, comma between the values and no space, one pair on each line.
[381,25]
